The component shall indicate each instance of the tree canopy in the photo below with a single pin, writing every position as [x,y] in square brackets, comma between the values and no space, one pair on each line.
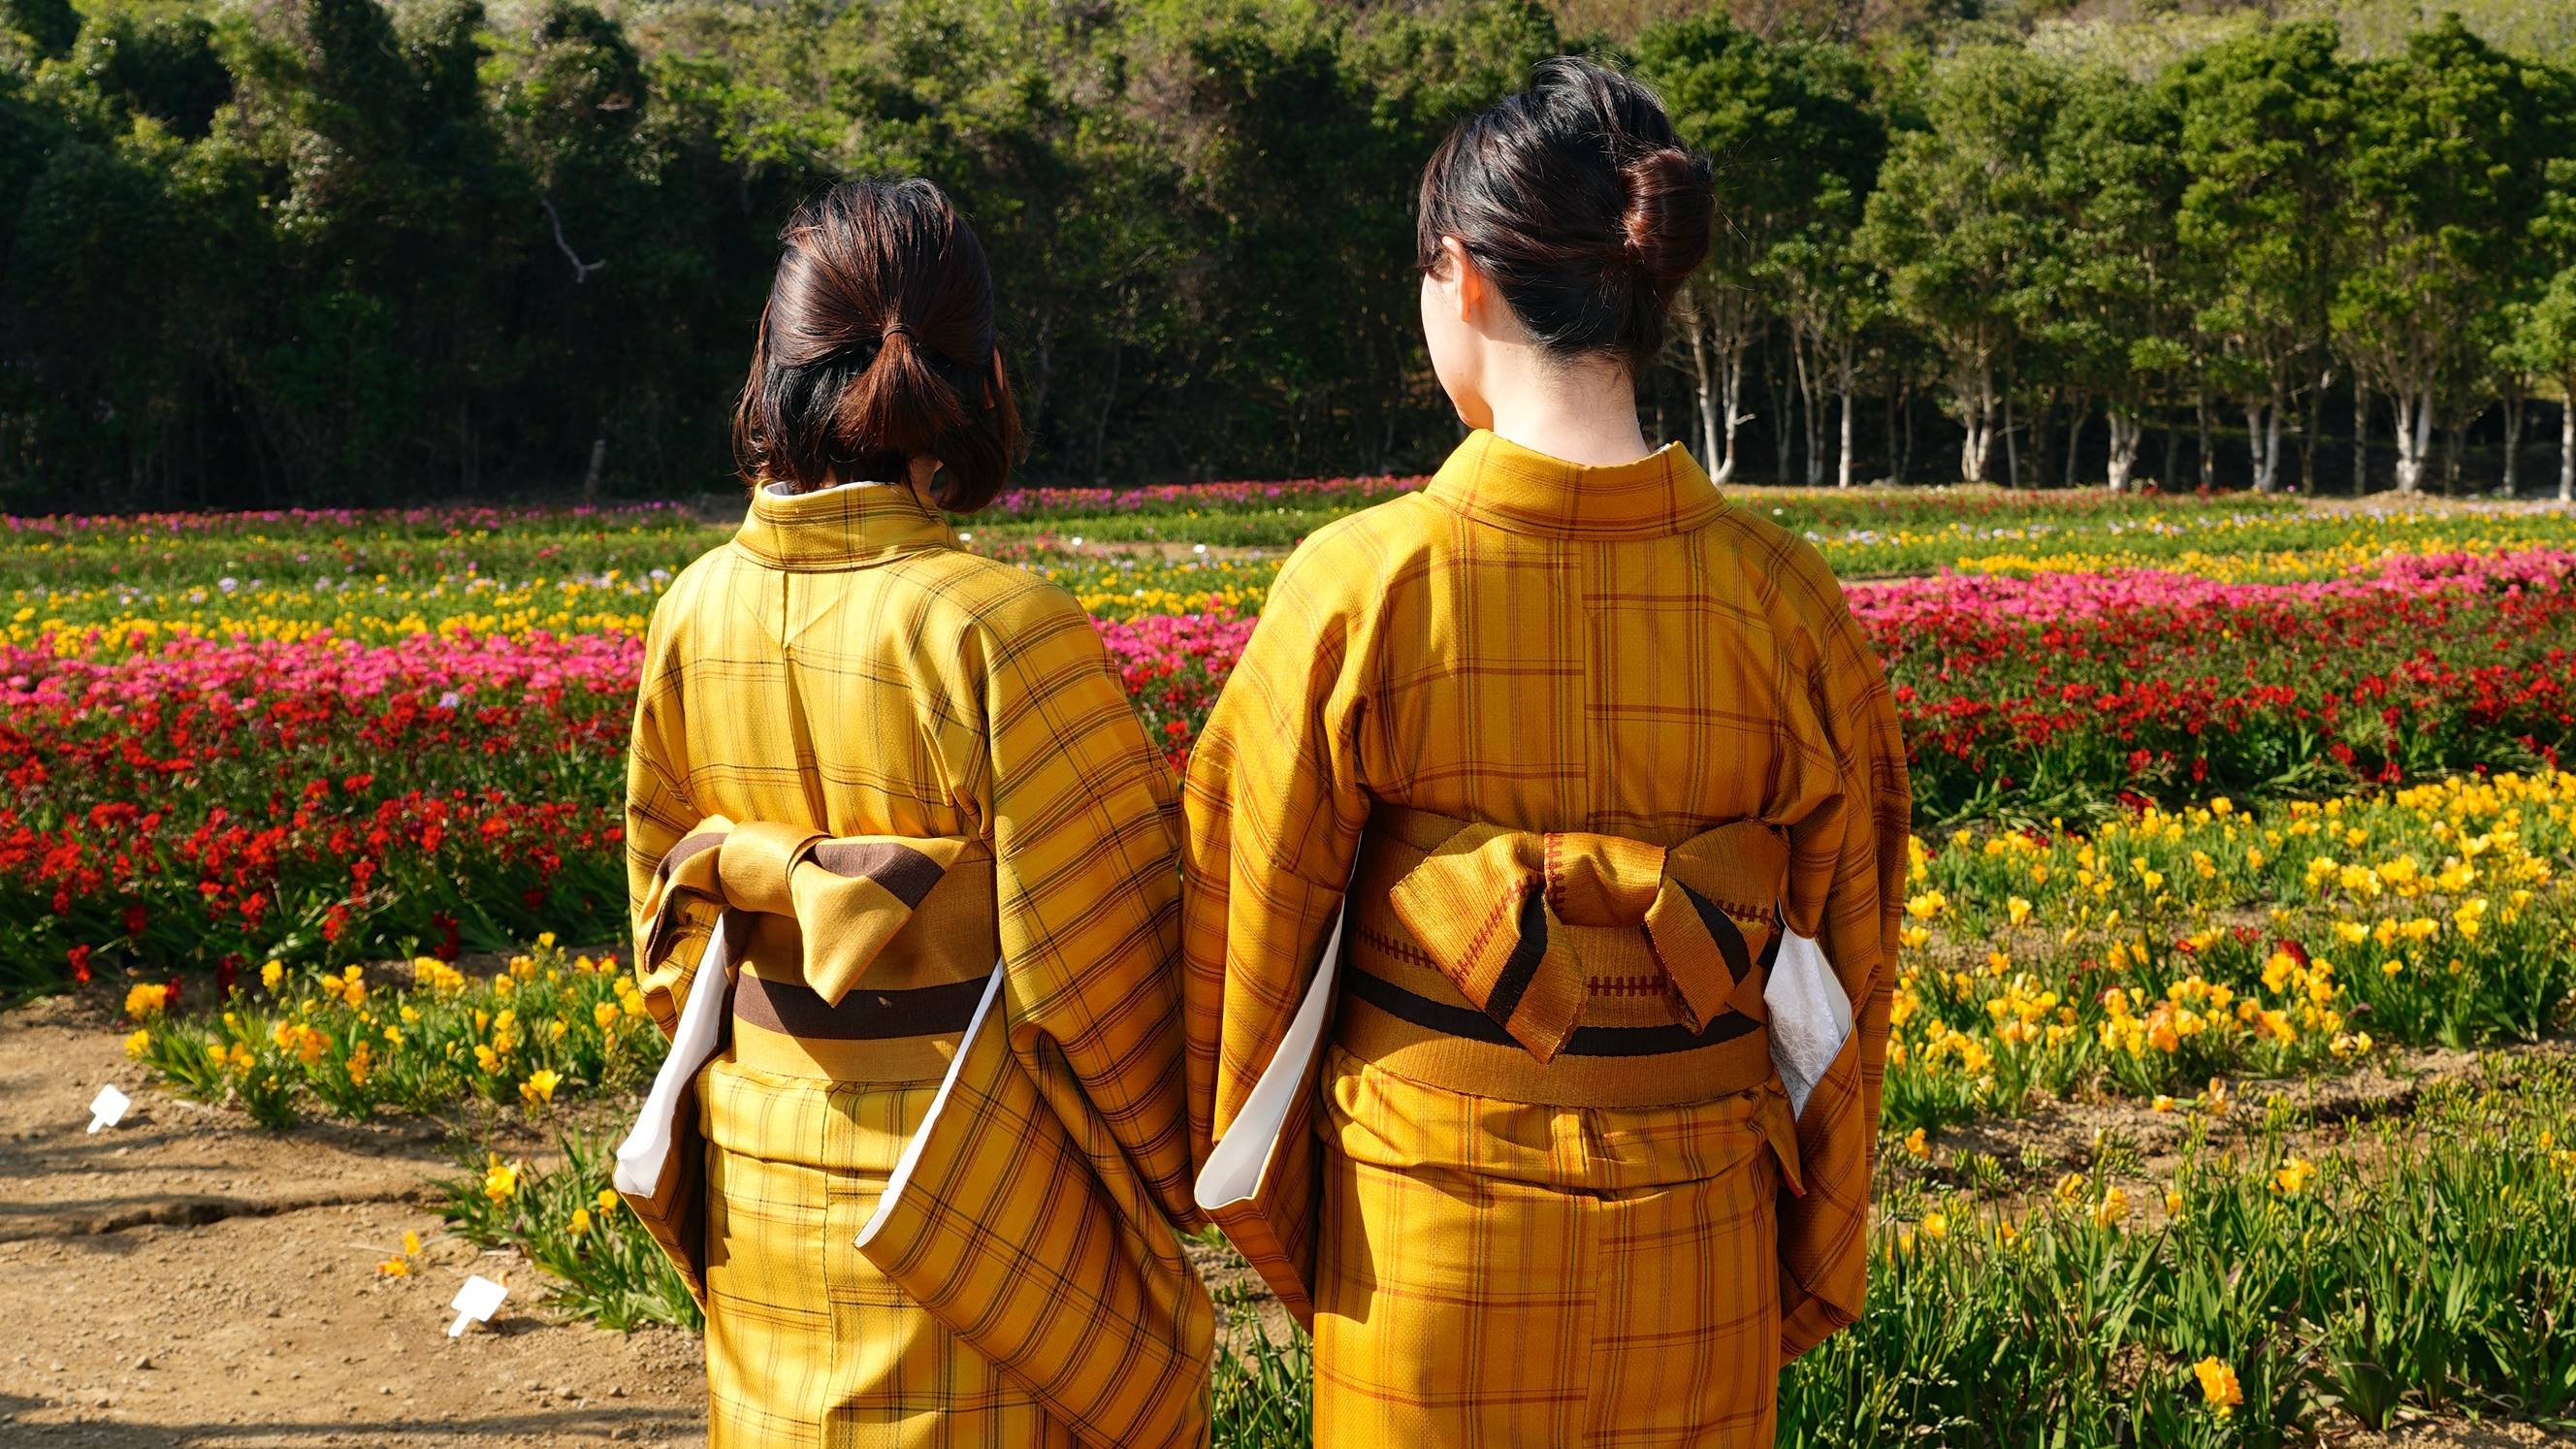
[341,251]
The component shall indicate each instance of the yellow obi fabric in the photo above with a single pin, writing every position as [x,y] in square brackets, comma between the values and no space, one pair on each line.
[1539,967]
[913,917]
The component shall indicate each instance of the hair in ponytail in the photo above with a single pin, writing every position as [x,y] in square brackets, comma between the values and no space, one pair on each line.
[1580,202]
[876,348]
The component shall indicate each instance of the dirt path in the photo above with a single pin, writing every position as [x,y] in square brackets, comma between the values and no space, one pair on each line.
[188,1279]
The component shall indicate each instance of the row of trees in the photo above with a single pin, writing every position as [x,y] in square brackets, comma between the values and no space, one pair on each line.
[2234,234]
[327,250]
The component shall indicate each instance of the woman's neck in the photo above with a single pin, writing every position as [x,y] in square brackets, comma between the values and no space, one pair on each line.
[1583,412]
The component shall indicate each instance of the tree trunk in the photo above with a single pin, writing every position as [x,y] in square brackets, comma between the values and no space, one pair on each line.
[2567,440]
[1703,387]
[2360,435]
[590,475]
[2272,438]
[2513,401]
[2414,437]
[2308,435]
[1843,387]
[2262,475]
[2124,448]
[2173,455]
[2042,428]
[2075,414]
[2012,444]
[1814,414]
[2208,455]
[1905,405]
[1895,462]
[1781,437]
[1980,419]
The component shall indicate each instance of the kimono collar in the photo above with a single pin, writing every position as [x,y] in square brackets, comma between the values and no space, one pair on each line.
[840,528]
[1496,481]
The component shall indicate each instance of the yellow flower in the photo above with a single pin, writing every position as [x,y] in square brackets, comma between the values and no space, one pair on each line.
[2017,910]
[362,1060]
[608,1199]
[411,1245]
[1926,906]
[2162,1103]
[1915,1146]
[2173,1202]
[2292,1177]
[546,941]
[137,1044]
[2218,1387]
[579,1227]
[539,1087]
[2112,1209]
[144,1000]
[604,1015]
[2070,1187]
[271,974]
[394,1268]
[500,1180]
[1936,1226]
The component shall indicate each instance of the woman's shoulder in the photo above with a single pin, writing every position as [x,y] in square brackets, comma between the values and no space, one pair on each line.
[1353,557]
[1789,567]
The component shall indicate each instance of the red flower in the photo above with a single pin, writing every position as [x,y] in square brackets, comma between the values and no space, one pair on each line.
[79,956]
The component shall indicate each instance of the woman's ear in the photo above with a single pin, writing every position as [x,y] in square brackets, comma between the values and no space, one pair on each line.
[1463,279]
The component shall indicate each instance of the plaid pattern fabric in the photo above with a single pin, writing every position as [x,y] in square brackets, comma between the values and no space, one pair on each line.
[842,667]
[1546,647]
[807,1343]
[999,1229]
[1499,1274]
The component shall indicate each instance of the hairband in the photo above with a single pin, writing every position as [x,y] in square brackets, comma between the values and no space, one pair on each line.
[892,328]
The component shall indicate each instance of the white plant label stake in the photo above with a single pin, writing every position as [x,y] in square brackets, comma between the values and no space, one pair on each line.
[108,1107]
[475,1303]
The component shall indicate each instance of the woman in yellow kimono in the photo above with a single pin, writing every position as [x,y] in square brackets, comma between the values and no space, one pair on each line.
[868,766]
[1605,789]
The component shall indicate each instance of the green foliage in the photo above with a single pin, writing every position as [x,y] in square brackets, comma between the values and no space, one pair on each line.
[342,251]
[568,1220]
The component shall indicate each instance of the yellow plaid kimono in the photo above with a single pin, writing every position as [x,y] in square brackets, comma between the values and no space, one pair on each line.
[849,724]
[1615,786]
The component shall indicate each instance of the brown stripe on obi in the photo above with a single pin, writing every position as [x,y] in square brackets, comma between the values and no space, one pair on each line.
[1391,1017]
[906,873]
[795,1009]
[1586,1041]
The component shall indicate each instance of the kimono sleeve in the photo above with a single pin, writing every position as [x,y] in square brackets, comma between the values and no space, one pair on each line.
[1847,881]
[658,813]
[1275,810]
[1087,884]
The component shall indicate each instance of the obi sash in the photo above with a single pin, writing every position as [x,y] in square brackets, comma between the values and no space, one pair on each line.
[1566,968]
[1038,1248]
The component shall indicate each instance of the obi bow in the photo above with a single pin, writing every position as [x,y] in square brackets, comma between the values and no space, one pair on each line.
[1501,912]
[849,895]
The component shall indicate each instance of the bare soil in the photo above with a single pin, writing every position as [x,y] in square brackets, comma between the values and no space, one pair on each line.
[186,1278]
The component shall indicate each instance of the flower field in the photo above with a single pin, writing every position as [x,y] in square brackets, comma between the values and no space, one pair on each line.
[2211,792]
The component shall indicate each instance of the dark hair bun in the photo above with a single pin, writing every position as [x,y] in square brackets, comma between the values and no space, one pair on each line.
[877,348]
[1670,210]
[1579,201]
